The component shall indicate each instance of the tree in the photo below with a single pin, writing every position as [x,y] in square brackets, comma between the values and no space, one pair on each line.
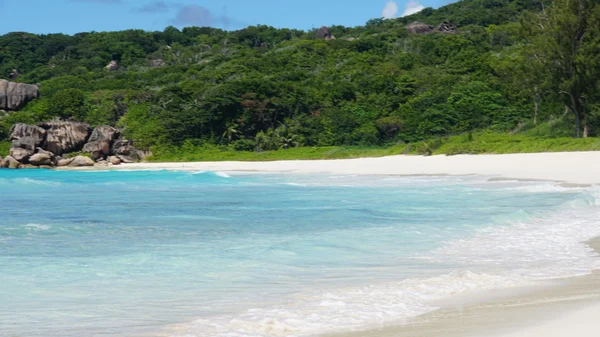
[230,132]
[68,103]
[564,39]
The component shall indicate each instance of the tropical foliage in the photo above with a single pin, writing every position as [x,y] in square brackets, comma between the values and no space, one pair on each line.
[511,68]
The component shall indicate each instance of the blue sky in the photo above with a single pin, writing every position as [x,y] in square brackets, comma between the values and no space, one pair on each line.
[73,16]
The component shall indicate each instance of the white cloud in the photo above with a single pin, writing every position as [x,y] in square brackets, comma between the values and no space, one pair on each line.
[390,10]
[412,7]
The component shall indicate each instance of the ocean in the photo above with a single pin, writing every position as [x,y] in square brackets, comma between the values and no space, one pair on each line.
[199,254]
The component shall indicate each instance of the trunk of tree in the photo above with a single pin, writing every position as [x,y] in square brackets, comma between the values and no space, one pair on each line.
[577,125]
[576,111]
[536,104]
[586,126]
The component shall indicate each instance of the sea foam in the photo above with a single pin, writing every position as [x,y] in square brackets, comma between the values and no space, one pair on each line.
[519,253]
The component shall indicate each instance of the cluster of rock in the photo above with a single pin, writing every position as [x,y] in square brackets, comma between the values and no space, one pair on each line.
[422,28]
[14,95]
[48,144]
[325,33]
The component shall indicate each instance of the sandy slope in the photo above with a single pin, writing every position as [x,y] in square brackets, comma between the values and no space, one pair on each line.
[571,167]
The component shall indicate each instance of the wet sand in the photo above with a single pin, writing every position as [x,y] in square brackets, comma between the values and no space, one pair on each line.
[563,307]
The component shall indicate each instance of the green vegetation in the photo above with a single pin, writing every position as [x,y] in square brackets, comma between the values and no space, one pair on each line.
[490,143]
[4,148]
[515,78]
[214,153]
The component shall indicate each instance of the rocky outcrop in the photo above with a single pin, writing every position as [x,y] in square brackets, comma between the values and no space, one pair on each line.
[112,66]
[157,63]
[64,137]
[81,161]
[446,27]
[14,74]
[325,33]
[21,130]
[419,28]
[100,142]
[23,148]
[43,145]
[125,151]
[13,96]
[422,28]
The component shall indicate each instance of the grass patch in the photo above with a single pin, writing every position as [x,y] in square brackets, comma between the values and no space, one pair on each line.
[4,148]
[503,143]
[213,153]
[490,143]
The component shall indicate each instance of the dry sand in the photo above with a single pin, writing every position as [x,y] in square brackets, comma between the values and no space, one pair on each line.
[569,167]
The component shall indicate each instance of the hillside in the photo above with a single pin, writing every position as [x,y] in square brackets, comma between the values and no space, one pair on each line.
[262,88]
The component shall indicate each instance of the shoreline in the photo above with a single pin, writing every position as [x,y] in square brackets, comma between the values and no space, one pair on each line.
[546,309]
[572,168]
[553,308]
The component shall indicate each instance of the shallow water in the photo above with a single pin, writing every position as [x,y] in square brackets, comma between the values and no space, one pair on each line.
[213,254]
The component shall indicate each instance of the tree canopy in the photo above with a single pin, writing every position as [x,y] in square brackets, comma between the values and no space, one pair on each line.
[263,88]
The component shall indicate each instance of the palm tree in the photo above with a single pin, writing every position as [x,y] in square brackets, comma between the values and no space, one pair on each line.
[285,138]
[230,132]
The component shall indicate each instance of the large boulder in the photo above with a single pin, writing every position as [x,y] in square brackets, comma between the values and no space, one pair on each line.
[27,143]
[114,160]
[325,33]
[157,63]
[446,27]
[112,66]
[20,154]
[64,162]
[98,149]
[23,148]
[14,74]
[64,137]
[103,132]
[419,28]
[14,95]
[126,152]
[100,141]
[40,159]
[10,162]
[80,161]
[21,130]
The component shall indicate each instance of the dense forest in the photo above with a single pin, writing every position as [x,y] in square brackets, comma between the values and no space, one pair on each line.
[528,67]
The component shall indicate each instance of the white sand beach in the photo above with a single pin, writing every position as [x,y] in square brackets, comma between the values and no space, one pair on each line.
[568,167]
[569,307]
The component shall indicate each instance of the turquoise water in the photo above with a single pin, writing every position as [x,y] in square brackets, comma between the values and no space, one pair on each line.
[213,254]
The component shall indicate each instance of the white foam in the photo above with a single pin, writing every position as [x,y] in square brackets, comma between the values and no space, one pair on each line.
[222,174]
[518,254]
[199,172]
[37,227]
[29,181]
[346,309]
[294,184]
